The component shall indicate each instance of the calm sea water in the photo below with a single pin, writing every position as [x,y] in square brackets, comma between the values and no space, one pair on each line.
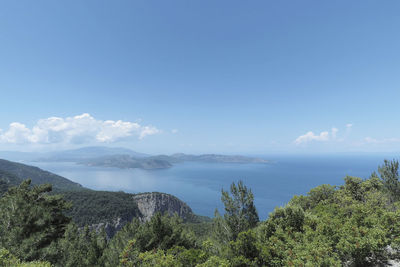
[200,184]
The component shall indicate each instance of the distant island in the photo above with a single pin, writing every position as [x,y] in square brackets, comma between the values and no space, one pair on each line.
[215,158]
[127,162]
[163,161]
[124,158]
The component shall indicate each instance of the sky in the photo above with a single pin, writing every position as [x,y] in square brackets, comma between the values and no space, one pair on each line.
[235,77]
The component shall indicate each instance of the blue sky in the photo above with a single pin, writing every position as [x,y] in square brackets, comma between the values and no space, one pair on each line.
[251,77]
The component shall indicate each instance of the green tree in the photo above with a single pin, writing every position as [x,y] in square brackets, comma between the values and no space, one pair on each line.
[289,218]
[119,242]
[162,232]
[324,193]
[147,259]
[81,247]
[389,173]
[9,260]
[188,257]
[244,250]
[215,261]
[32,222]
[352,224]
[240,211]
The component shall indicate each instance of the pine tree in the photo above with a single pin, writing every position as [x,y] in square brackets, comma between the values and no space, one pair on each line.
[240,212]
[390,177]
[32,221]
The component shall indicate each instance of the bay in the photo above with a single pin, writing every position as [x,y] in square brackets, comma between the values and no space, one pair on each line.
[199,184]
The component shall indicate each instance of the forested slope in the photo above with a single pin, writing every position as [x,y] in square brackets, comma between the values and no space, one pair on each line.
[6,180]
[355,224]
[96,209]
[37,175]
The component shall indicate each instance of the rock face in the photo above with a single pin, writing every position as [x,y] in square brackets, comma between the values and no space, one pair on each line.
[151,203]
[111,228]
[148,205]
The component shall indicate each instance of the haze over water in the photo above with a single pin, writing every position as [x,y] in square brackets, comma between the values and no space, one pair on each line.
[200,184]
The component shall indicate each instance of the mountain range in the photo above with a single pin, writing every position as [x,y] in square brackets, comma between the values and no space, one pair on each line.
[69,155]
[124,158]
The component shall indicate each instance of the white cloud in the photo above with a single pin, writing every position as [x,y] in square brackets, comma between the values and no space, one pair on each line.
[324,136]
[174,131]
[148,130]
[78,129]
[310,136]
[17,133]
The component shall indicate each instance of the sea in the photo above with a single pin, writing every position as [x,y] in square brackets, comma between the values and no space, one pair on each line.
[199,184]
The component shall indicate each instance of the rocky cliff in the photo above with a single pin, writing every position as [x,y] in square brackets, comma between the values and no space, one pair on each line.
[148,205]
[151,203]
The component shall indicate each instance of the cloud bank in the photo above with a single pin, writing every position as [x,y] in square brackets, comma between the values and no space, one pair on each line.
[74,130]
[322,137]
[310,136]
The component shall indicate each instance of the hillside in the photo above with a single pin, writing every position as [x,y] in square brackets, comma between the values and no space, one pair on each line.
[37,175]
[74,155]
[6,180]
[355,224]
[70,155]
[111,210]
[90,206]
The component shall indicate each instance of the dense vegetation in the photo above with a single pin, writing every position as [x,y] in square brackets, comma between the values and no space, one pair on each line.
[91,206]
[6,180]
[356,224]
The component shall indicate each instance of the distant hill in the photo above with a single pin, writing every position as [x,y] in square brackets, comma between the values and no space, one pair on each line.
[38,176]
[119,157]
[215,158]
[163,161]
[19,156]
[126,161]
[71,155]
[75,155]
